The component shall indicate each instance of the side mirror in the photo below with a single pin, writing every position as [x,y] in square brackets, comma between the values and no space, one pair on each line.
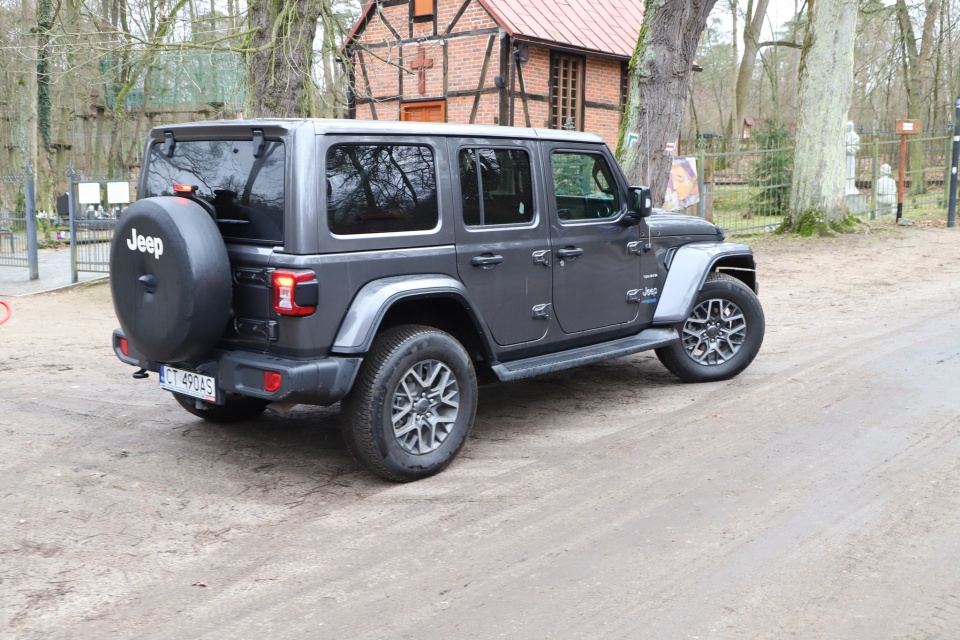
[640,203]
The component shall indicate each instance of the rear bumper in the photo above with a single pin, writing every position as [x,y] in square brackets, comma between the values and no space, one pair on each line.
[321,382]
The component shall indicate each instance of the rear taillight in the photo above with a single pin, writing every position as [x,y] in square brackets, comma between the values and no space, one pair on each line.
[295,293]
[271,381]
[124,346]
[185,189]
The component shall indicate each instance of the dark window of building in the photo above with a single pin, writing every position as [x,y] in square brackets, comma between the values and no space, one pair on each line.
[566,92]
[584,186]
[381,189]
[423,8]
[496,187]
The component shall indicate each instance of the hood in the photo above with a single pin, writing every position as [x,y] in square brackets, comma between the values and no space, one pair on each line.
[664,223]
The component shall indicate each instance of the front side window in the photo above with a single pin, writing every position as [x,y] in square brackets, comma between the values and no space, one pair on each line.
[381,189]
[584,186]
[246,192]
[496,187]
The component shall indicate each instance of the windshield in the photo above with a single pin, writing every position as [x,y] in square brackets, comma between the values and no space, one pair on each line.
[246,192]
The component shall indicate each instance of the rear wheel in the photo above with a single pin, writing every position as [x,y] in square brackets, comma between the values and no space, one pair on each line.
[235,408]
[412,405]
[722,335]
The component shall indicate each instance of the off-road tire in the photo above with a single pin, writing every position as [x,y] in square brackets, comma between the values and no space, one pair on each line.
[385,383]
[728,312]
[235,409]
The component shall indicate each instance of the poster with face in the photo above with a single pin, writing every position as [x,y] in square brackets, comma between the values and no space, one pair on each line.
[682,189]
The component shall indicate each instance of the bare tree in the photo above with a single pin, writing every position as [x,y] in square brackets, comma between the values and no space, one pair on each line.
[659,80]
[826,83]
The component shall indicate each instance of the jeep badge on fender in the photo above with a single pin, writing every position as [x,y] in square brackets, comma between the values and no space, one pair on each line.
[389,266]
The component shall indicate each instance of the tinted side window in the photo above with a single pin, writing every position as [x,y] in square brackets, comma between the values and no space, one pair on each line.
[381,189]
[496,187]
[584,186]
[246,192]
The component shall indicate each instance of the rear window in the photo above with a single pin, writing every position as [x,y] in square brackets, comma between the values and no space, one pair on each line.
[245,192]
[381,189]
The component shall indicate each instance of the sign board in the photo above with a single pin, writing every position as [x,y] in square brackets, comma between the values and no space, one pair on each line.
[682,188]
[908,127]
[118,192]
[88,193]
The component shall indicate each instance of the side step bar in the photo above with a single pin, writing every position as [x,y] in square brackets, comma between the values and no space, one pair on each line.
[643,341]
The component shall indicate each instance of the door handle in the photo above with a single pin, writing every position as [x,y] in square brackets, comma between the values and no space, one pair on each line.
[486,261]
[569,252]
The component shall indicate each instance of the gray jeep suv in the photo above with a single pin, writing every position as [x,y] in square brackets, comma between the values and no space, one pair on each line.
[390,266]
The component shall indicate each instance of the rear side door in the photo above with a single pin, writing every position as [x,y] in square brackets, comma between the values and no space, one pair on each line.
[596,277]
[503,244]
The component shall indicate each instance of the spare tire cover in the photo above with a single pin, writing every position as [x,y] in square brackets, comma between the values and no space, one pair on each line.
[170,278]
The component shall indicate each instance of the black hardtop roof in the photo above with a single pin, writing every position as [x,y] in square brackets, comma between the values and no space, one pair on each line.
[280,126]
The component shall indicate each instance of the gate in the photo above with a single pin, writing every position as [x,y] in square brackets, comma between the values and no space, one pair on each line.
[18,223]
[91,224]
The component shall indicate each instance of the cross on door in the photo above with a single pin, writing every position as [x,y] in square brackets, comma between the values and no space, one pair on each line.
[420,65]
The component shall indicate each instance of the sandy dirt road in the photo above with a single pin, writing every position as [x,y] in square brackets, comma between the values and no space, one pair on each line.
[815,496]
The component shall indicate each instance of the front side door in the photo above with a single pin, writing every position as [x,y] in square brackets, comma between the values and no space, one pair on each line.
[596,275]
[503,245]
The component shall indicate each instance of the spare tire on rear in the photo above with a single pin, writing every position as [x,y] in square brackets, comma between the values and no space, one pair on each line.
[170,278]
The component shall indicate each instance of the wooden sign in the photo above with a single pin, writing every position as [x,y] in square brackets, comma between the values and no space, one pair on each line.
[908,127]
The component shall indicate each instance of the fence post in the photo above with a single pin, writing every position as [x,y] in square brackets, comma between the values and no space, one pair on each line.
[72,209]
[875,168]
[946,159]
[30,199]
[952,202]
[700,181]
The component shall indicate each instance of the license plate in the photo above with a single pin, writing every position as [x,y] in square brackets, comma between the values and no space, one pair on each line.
[188,383]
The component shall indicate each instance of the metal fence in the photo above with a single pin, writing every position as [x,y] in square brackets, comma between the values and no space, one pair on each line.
[18,223]
[747,191]
[92,227]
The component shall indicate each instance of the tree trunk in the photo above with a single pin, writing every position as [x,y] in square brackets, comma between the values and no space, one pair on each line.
[826,86]
[29,9]
[279,65]
[918,82]
[751,46]
[732,130]
[659,82]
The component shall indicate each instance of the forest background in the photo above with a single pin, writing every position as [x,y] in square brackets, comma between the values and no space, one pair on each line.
[81,81]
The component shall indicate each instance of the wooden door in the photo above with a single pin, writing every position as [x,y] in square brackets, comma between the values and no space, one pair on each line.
[424,111]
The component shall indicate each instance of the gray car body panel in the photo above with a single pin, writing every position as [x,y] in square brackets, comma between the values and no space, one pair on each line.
[688,270]
[372,302]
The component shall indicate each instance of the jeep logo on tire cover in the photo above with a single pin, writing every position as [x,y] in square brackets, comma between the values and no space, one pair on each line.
[146,244]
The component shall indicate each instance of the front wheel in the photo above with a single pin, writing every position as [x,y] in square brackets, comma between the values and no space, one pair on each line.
[412,405]
[235,408]
[722,335]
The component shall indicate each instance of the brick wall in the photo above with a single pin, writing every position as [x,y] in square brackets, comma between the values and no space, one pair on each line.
[462,54]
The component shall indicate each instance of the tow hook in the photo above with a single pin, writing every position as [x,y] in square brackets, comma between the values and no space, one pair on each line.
[140,375]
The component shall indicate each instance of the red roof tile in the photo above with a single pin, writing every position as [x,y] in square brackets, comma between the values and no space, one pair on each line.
[604,26]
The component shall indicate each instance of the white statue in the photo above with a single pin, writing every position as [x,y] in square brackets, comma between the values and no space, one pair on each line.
[886,191]
[853,148]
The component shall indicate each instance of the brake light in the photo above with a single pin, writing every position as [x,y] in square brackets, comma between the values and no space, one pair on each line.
[295,293]
[271,381]
[124,346]
[185,189]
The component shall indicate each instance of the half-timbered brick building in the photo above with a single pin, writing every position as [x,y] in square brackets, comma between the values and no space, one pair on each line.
[540,63]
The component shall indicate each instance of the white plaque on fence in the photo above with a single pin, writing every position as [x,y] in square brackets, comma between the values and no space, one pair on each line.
[88,193]
[118,192]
